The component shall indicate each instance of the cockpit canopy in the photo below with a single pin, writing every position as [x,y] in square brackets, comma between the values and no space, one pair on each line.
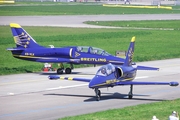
[92,50]
[106,70]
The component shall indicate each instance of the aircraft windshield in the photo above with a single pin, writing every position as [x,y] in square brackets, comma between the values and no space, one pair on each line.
[106,70]
[92,50]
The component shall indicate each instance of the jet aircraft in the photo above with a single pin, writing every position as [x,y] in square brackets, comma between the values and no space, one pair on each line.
[116,75]
[28,49]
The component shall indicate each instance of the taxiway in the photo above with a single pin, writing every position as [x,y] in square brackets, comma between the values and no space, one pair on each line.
[34,96]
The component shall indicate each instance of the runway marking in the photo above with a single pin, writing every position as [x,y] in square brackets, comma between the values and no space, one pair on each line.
[23,81]
[18,82]
[141,77]
[72,105]
[63,87]
[165,66]
[86,84]
[45,109]
[10,93]
[48,89]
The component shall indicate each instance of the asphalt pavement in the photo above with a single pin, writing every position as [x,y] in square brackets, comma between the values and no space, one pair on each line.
[33,96]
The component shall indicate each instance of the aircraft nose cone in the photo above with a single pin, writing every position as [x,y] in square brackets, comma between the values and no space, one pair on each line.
[94,82]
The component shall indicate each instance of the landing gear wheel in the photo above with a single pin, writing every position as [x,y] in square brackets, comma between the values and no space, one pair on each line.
[68,70]
[97,98]
[98,95]
[99,92]
[130,96]
[59,71]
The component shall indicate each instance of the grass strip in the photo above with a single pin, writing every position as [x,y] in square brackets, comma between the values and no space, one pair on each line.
[76,9]
[150,44]
[140,112]
[161,24]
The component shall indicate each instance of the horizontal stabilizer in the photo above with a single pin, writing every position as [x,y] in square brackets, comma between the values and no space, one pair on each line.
[146,68]
[14,49]
[55,77]
[147,83]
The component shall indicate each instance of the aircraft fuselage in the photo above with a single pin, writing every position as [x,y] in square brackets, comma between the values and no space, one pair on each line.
[66,54]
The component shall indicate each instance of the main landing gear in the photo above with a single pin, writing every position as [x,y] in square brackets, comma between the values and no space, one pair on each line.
[67,70]
[130,95]
[98,94]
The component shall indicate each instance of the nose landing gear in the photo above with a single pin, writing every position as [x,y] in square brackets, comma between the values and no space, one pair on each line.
[130,95]
[98,94]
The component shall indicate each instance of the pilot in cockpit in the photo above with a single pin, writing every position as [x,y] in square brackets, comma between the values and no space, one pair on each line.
[106,70]
[103,71]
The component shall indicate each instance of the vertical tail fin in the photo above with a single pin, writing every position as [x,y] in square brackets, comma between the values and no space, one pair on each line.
[22,38]
[130,53]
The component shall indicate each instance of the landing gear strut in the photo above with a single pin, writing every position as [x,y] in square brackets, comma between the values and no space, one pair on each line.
[60,70]
[130,95]
[98,94]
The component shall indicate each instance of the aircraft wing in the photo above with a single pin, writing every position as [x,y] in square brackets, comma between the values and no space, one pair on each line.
[146,68]
[55,77]
[147,83]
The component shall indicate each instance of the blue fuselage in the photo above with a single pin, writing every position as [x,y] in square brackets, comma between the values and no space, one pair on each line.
[120,74]
[66,54]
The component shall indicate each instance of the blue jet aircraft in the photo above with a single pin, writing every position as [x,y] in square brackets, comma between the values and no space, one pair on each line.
[28,49]
[116,75]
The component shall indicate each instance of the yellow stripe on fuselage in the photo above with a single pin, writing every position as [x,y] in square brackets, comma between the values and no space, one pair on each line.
[128,79]
[22,56]
[98,85]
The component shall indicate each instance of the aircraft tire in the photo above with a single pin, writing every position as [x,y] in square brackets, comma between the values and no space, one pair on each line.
[130,96]
[99,93]
[59,71]
[68,70]
[98,98]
